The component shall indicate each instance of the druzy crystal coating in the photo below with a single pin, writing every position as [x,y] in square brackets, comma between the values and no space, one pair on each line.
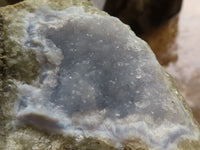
[97,79]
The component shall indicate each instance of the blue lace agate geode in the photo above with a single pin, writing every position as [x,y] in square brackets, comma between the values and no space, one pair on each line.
[97,79]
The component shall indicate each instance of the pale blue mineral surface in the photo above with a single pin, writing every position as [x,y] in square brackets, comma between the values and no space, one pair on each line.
[97,79]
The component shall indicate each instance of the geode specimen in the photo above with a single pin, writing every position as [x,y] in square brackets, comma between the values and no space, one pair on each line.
[83,77]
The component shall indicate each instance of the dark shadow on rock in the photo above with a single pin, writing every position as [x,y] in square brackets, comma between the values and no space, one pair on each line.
[141,15]
[13,1]
[8,2]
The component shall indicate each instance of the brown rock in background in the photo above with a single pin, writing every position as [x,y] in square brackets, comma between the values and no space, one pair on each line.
[8,2]
[141,15]
[13,1]
[163,41]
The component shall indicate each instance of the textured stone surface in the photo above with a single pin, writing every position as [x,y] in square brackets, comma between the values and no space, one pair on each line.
[142,15]
[85,76]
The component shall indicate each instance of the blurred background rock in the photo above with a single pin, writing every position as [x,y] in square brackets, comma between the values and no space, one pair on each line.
[173,38]
[141,15]
[8,2]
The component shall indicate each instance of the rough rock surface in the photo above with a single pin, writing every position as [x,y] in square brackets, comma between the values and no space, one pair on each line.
[142,15]
[85,80]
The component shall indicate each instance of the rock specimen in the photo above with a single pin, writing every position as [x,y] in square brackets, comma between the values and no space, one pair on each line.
[141,15]
[84,78]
